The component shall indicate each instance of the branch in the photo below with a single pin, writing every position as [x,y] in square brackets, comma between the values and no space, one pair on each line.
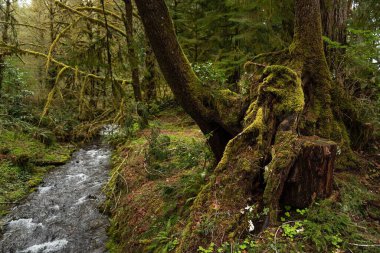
[26,25]
[94,20]
[59,35]
[84,73]
[250,63]
[96,9]
[286,50]
[364,245]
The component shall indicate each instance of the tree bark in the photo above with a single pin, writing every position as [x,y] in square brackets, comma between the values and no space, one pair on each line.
[220,120]
[52,71]
[132,57]
[311,176]
[259,158]
[7,18]
[335,14]
[308,59]
[150,77]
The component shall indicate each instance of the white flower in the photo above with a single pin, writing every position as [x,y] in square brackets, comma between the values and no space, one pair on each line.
[249,208]
[338,151]
[251,226]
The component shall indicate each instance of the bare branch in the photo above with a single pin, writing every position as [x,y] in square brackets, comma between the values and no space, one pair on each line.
[26,25]
[99,10]
[94,20]
[12,48]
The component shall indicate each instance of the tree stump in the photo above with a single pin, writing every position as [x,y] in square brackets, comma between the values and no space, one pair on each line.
[311,176]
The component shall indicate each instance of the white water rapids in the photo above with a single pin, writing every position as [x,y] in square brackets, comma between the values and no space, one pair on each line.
[63,215]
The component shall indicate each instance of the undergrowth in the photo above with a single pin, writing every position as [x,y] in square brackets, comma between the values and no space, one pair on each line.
[159,171]
[163,167]
[338,224]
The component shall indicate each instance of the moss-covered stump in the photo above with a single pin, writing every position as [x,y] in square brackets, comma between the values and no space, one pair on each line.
[311,177]
[219,212]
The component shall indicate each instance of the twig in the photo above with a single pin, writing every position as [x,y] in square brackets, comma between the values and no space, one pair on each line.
[364,245]
[9,203]
[94,20]
[28,51]
[99,10]
[250,63]
[26,25]
[270,53]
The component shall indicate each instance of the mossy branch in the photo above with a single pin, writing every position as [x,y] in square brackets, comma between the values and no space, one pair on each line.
[99,10]
[52,46]
[61,64]
[94,20]
[52,92]
[251,63]
[48,102]
[26,25]
[274,53]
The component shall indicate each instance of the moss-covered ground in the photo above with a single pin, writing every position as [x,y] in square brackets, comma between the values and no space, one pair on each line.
[24,159]
[158,172]
[156,175]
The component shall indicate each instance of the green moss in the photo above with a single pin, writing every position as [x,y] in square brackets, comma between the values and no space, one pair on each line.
[15,184]
[21,144]
[228,105]
[285,85]
[280,96]
[19,175]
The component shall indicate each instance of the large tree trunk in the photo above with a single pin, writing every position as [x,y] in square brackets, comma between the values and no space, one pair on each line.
[217,113]
[258,161]
[335,15]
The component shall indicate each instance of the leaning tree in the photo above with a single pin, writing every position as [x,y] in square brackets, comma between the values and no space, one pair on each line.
[273,147]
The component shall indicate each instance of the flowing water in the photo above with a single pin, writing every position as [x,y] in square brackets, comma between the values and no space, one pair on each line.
[63,216]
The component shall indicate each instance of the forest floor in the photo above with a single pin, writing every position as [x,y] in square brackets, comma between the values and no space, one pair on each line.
[25,157]
[158,172]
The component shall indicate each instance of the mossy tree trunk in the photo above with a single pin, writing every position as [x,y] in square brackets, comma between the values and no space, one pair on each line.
[132,56]
[258,148]
[217,113]
[151,77]
[52,71]
[335,14]
[5,39]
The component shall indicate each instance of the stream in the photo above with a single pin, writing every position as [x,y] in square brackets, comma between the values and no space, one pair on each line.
[62,215]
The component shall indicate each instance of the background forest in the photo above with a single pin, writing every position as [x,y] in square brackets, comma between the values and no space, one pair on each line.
[70,67]
[63,49]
